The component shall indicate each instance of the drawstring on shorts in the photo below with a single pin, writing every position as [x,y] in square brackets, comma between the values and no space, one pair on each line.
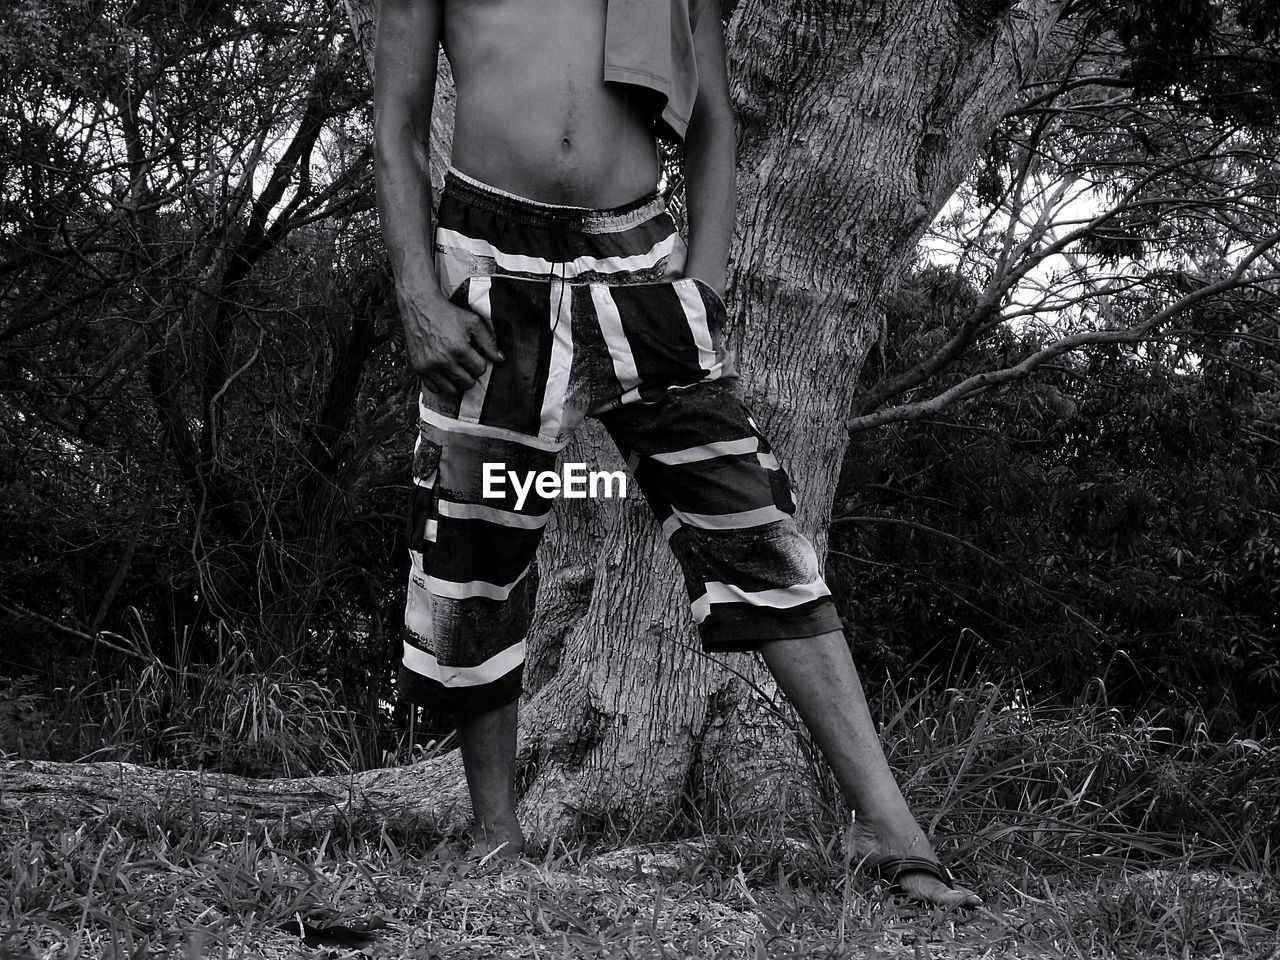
[564,273]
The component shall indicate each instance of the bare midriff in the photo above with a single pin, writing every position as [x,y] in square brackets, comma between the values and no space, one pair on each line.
[533,115]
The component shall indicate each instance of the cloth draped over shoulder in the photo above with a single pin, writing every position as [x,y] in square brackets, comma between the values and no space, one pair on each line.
[649,43]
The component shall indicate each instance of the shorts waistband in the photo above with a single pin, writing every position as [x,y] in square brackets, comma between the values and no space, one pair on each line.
[557,216]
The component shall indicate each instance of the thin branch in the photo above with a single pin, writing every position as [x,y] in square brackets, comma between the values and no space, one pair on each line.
[984,381]
[94,638]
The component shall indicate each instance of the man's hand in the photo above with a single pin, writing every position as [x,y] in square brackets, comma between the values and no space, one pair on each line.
[449,347]
[716,281]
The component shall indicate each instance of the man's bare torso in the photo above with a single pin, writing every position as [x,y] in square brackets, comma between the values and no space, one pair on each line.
[533,115]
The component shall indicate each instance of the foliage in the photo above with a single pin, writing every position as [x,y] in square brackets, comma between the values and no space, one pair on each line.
[197,379]
[1192,50]
[1116,518]
[230,715]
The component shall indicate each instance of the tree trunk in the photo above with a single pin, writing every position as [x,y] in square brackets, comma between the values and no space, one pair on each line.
[32,789]
[856,123]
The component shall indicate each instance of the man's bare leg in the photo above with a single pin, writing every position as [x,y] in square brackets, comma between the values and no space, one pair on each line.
[488,744]
[818,676]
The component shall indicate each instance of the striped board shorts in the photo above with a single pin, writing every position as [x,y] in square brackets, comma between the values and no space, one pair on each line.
[591,312]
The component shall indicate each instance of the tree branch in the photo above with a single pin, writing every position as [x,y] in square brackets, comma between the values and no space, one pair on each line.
[984,381]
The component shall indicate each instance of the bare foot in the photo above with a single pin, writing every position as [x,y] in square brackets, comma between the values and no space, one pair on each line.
[868,844]
[505,841]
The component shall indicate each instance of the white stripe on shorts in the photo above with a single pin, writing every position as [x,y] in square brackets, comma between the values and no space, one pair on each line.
[453,590]
[473,399]
[615,338]
[496,667]
[450,425]
[741,520]
[695,318]
[776,598]
[423,586]
[519,263]
[556,389]
[481,511]
[707,451]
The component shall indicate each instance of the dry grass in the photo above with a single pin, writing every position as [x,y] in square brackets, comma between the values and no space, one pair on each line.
[230,714]
[1088,837]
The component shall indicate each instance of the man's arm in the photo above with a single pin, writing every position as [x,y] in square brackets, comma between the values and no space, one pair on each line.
[448,347]
[710,157]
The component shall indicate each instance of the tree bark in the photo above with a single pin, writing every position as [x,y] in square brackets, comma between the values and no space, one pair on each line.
[32,789]
[856,124]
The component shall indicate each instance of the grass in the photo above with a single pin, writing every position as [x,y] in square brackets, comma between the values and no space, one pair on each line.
[129,884]
[231,715]
[1088,836]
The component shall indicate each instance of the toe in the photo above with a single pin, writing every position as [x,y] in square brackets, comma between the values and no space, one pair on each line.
[933,891]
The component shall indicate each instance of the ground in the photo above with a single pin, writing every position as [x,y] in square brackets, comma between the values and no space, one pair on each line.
[145,882]
[1088,835]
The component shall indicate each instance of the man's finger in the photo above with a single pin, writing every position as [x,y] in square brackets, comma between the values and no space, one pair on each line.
[473,363]
[483,339]
[432,384]
[458,378]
